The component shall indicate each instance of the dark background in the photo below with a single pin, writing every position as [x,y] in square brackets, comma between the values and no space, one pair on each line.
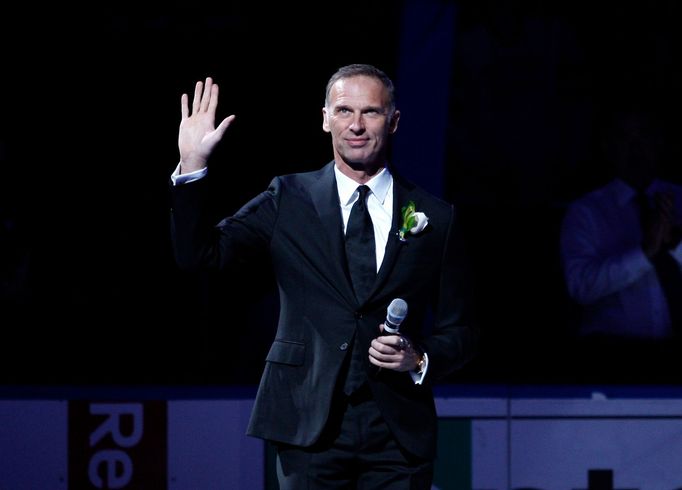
[88,138]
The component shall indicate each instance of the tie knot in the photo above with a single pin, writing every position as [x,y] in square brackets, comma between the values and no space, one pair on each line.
[363,190]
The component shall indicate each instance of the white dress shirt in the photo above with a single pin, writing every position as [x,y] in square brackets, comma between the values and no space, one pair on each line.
[179,178]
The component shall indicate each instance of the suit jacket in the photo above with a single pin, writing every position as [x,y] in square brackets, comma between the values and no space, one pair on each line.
[297,224]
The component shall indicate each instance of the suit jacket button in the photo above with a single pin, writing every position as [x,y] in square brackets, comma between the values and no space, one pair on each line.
[344,346]
[358,315]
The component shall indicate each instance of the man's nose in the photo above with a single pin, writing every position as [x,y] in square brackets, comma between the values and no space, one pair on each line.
[358,123]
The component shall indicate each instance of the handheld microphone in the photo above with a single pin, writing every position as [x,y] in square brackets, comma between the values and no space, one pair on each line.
[395,314]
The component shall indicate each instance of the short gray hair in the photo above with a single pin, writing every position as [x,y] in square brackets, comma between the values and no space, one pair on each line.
[355,70]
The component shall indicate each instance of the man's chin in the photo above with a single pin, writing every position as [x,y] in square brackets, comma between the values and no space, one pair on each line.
[357,164]
[361,162]
[369,167]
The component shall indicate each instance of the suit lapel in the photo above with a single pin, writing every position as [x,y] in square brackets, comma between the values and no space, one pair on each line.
[325,197]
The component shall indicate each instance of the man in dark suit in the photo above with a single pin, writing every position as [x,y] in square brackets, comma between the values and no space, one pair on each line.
[346,406]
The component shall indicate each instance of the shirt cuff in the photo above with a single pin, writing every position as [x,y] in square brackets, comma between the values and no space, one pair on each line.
[178,179]
[636,262]
[417,377]
[677,253]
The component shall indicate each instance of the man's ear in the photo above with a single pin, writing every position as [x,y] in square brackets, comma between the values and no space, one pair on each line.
[325,120]
[393,126]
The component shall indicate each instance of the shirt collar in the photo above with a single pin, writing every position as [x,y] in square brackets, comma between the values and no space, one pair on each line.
[379,185]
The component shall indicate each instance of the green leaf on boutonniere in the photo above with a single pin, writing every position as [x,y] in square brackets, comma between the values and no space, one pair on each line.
[409,220]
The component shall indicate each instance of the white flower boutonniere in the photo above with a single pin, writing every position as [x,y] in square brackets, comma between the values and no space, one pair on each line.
[413,221]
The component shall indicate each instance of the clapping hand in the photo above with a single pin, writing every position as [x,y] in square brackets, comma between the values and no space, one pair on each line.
[660,232]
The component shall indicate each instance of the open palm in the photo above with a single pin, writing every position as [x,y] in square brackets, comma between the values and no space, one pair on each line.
[198,135]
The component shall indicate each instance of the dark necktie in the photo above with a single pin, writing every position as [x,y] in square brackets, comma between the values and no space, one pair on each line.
[667,270]
[360,248]
[361,256]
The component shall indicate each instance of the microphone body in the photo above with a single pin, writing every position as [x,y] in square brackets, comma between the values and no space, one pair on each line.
[395,314]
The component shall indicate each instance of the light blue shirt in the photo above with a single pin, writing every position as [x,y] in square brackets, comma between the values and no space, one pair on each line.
[605,268]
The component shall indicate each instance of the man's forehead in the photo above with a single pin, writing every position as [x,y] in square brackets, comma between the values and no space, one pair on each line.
[358,88]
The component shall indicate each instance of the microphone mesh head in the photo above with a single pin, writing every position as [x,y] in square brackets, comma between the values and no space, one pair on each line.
[397,311]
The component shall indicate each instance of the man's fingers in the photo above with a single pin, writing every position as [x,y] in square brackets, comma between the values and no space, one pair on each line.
[384,356]
[196,102]
[224,124]
[183,106]
[206,97]
[396,360]
[665,204]
[213,103]
[390,347]
[390,343]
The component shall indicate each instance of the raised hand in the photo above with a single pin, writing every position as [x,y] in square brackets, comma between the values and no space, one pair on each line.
[198,135]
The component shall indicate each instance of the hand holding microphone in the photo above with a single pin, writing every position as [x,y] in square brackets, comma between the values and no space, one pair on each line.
[386,353]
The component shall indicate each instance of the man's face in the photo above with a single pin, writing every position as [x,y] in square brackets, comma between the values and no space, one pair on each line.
[358,117]
[634,147]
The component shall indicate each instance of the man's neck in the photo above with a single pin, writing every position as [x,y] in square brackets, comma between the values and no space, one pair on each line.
[361,175]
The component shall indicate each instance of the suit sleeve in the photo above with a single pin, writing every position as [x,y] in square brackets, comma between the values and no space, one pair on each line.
[199,244]
[453,340]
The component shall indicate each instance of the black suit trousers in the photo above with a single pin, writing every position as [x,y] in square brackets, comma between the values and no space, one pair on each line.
[357,451]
